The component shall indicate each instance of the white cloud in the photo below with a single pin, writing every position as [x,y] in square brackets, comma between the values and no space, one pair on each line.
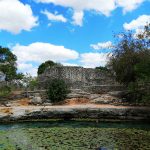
[102,45]
[92,60]
[104,7]
[101,6]
[54,17]
[70,64]
[78,18]
[138,23]
[37,53]
[27,68]
[79,6]
[129,5]
[15,16]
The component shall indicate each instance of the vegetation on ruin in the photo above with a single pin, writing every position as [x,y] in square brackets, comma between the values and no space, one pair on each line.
[101,68]
[46,65]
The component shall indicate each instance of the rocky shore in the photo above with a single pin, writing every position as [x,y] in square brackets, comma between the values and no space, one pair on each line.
[87,111]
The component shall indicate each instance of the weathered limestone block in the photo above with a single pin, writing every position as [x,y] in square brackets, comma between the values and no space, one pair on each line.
[105,99]
[78,93]
[75,95]
[100,89]
[36,99]
[94,96]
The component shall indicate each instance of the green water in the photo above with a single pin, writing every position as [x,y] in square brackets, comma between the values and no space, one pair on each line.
[74,135]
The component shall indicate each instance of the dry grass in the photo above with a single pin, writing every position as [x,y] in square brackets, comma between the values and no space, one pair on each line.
[23,102]
[74,101]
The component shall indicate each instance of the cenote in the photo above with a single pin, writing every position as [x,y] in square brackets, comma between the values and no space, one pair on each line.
[75,135]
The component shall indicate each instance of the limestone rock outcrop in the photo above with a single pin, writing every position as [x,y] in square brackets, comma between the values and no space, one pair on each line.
[69,112]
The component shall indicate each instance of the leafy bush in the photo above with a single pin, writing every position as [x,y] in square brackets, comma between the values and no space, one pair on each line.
[4,91]
[57,90]
[138,93]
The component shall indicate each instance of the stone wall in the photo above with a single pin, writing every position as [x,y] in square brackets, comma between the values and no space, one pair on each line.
[77,77]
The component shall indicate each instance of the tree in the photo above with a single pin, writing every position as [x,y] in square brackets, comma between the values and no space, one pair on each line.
[45,65]
[8,64]
[57,90]
[130,62]
[127,61]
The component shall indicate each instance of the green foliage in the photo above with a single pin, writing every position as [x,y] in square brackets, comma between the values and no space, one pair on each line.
[29,82]
[123,60]
[102,68]
[19,76]
[8,64]
[131,64]
[57,90]
[142,68]
[33,84]
[4,91]
[45,65]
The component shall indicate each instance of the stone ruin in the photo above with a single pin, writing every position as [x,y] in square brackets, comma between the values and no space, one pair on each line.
[83,82]
[87,79]
[77,77]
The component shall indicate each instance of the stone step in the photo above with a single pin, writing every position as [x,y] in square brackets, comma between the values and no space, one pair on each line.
[76,90]
[118,93]
[79,91]
[105,99]
[99,89]
[74,95]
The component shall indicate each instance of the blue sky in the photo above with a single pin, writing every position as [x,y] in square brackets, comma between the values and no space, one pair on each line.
[72,32]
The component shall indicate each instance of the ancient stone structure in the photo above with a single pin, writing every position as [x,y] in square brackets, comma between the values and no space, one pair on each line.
[80,78]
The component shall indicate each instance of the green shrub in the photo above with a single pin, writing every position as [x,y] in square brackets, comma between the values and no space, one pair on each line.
[4,91]
[57,90]
[138,93]
[33,84]
[102,68]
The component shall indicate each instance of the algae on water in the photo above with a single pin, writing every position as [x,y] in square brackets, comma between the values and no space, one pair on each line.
[74,136]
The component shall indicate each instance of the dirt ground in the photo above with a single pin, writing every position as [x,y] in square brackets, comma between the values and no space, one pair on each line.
[73,101]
